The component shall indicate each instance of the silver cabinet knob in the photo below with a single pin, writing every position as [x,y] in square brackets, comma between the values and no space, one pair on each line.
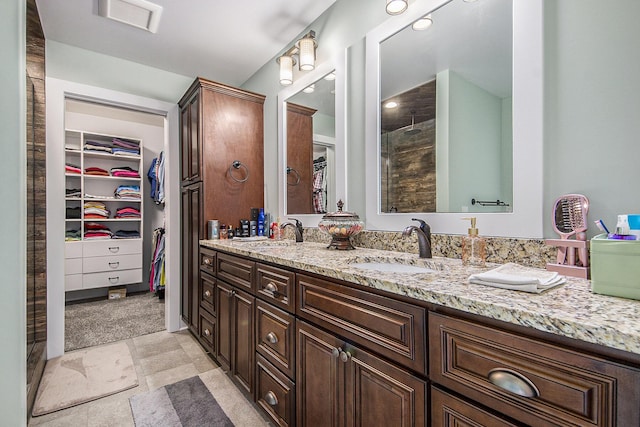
[345,356]
[514,382]
[271,398]
[207,261]
[272,338]
[207,293]
[271,287]
[207,332]
[335,352]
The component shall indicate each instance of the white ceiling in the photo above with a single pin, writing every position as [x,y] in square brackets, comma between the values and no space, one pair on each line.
[226,41]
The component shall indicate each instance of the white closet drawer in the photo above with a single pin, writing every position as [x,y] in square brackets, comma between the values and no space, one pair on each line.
[73,249]
[111,263]
[73,266]
[111,278]
[112,247]
[72,282]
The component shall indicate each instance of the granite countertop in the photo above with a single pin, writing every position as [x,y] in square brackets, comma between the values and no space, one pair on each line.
[570,310]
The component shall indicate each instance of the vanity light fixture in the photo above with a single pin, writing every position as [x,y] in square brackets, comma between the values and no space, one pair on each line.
[330,77]
[305,50]
[396,7]
[422,23]
[391,104]
[309,89]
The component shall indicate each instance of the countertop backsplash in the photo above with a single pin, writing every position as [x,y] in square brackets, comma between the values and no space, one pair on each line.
[529,252]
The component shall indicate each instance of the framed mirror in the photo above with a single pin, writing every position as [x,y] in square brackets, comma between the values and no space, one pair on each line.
[466,134]
[312,155]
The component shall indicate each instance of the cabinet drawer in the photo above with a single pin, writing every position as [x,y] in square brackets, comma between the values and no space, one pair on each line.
[73,249]
[276,286]
[206,331]
[236,271]
[208,260]
[112,247]
[111,263]
[73,266]
[111,278]
[275,336]
[392,328]
[566,387]
[448,410]
[207,293]
[275,393]
[72,282]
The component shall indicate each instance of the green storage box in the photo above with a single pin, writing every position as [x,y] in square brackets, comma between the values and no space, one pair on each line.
[615,267]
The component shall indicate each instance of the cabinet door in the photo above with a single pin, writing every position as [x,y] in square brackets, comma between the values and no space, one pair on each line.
[319,378]
[243,358]
[378,393]
[191,220]
[449,410]
[224,311]
[190,140]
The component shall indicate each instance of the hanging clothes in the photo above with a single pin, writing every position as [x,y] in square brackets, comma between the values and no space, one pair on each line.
[156,178]
[320,185]
[157,272]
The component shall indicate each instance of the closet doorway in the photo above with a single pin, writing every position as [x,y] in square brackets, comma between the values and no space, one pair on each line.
[114,223]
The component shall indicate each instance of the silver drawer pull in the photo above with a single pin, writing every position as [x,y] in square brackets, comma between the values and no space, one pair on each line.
[114,279]
[207,332]
[514,382]
[271,287]
[114,249]
[114,264]
[272,338]
[207,261]
[345,356]
[207,293]
[271,398]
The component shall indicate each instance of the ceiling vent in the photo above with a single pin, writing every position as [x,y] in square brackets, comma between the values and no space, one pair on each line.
[137,13]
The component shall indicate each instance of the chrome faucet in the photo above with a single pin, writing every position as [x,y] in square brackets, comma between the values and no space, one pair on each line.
[297,228]
[424,237]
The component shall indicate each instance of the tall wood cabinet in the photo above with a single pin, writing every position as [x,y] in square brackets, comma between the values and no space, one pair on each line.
[220,125]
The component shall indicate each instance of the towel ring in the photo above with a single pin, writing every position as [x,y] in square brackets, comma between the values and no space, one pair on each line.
[289,170]
[237,165]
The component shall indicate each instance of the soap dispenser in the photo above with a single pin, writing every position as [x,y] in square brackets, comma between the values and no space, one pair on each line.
[473,246]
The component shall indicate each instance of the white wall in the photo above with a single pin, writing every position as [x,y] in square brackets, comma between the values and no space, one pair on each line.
[13,316]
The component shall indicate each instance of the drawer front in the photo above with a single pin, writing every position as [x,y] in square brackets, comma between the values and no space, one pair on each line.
[111,263]
[448,410]
[112,247]
[73,249]
[276,286]
[206,331]
[207,293]
[236,271]
[208,260]
[392,328]
[275,393]
[565,387]
[111,278]
[275,336]
[72,282]
[73,266]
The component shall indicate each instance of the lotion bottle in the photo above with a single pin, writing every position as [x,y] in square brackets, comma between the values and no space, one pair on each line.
[473,247]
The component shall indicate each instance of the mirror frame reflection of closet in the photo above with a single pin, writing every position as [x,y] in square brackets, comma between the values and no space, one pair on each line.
[526,218]
[336,173]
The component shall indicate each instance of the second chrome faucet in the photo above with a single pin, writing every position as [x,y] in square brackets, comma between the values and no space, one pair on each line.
[297,227]
[424,237]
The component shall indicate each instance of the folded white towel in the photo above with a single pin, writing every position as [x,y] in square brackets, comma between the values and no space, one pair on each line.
[518,277]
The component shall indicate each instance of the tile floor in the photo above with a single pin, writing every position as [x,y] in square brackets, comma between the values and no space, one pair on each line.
[161,358]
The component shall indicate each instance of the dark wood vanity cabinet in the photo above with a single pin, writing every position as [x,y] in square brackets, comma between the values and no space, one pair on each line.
[533,382]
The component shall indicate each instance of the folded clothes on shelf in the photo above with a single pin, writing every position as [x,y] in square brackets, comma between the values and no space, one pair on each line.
[125,172]
[127,212]
[93,170]
[517,277]
[126,234]
[127,192]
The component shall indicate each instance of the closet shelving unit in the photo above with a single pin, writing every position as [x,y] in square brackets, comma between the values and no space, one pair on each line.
[104,262]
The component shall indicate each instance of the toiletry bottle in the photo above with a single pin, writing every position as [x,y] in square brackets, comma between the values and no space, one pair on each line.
[473,246]
[275,228]
[261,222]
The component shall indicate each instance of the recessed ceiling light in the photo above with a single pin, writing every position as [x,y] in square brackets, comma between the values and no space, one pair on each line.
[137,13]
[391,104]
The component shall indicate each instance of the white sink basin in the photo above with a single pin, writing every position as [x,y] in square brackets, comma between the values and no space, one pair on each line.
[392,267]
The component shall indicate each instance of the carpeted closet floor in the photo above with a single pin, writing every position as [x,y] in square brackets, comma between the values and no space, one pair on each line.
[99,322]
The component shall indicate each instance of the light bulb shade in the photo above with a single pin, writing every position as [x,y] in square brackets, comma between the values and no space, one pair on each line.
[422,23]
[309,89]
[307,54]
[396,7]
[286,70]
